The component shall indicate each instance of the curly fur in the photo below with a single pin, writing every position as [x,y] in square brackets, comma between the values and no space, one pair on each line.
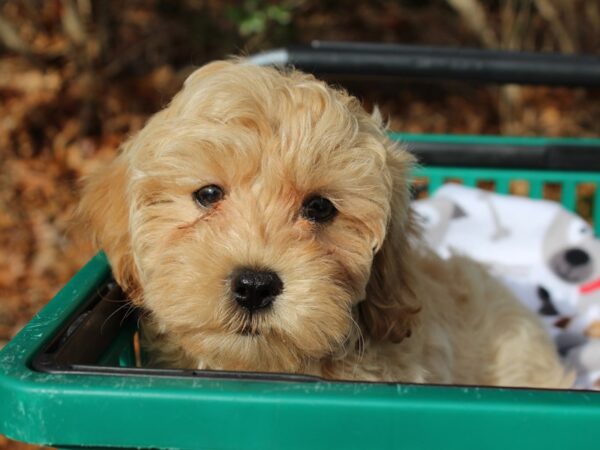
[363,298]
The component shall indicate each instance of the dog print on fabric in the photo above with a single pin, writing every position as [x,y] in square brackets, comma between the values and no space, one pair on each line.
[546,255]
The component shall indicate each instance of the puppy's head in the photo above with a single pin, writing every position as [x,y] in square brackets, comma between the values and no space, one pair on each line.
[260,218]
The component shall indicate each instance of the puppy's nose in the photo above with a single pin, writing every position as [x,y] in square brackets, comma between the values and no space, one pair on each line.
[255,289]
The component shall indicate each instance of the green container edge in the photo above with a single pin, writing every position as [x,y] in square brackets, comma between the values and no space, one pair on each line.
[493,139]
[135,411]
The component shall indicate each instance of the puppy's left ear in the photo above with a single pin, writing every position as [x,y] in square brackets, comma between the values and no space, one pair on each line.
[391,306]
[104,213]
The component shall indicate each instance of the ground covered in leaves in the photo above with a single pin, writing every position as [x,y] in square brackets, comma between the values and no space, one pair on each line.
[82,76]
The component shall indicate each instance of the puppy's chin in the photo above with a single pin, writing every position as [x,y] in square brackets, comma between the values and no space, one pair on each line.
[262,348]
[250,352]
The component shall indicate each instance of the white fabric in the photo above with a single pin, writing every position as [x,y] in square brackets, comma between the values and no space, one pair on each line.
[546,255]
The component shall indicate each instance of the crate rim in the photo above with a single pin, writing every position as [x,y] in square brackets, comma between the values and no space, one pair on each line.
[490,139]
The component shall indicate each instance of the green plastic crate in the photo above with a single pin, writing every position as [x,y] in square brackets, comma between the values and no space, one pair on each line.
[155,410]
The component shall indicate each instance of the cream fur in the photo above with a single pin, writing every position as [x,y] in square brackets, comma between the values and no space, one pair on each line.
[363,298]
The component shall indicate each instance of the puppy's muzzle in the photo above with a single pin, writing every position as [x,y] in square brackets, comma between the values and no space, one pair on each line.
[255,289]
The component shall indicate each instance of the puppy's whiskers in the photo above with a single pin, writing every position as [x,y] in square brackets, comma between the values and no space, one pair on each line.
[255,324]
[126,305]
[359,342]
[243,322]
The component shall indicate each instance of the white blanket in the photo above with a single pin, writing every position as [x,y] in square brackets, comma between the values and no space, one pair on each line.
[548,256]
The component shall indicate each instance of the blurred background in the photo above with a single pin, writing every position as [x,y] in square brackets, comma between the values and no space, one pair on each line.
[79,76]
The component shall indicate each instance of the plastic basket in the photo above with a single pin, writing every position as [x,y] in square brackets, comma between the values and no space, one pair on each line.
[68,378]
[72,400]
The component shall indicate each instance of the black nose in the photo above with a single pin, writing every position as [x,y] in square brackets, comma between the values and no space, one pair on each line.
[255,289]
[577,257]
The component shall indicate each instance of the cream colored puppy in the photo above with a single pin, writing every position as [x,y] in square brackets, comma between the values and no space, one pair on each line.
[262,220]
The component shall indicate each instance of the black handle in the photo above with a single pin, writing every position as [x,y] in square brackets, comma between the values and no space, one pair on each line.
[560,157]
[391,60]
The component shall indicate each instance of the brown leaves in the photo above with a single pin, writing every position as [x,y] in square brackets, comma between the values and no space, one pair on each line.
[90,73]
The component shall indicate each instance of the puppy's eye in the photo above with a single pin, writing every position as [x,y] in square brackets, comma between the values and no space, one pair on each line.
[318,209]
[208,195]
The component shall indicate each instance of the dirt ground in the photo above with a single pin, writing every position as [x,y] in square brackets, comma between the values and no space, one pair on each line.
[78,77]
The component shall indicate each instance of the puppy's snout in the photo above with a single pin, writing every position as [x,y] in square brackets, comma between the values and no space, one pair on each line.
[255,289]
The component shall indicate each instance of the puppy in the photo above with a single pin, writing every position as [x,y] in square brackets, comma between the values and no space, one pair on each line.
[262,220]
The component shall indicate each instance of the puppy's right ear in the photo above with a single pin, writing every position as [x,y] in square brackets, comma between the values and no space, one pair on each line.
[104,213]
